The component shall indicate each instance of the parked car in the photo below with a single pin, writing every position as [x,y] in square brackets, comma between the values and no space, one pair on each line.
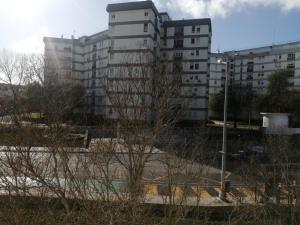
[257,149]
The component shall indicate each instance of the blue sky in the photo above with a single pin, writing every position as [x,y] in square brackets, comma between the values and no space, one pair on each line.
[236,23]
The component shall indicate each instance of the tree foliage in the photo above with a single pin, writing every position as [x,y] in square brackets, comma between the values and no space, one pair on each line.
[61,99]
[238,100]
[279,97]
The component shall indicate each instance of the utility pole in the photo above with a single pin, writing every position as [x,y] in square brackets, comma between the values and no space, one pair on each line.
[222,194]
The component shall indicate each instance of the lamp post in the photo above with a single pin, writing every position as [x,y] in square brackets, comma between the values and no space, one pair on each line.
[222,193]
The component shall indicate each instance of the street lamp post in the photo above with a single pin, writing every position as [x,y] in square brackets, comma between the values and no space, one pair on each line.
[222,193]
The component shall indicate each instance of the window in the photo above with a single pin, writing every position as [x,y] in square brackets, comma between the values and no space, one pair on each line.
[291,66]
[196,66]
[178,43]
[178,30]
[192,53]
[193,29]
[145,41]
[193,41]
[291,57]
[191,66]
[198,30]
[178,54]
[146,27]
[197,52]
[250,67]
[146,14]
[113,16]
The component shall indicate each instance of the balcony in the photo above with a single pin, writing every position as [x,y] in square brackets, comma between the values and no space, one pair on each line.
[250,70]
[178,43]
[178,56]
[291,57]
[179,32]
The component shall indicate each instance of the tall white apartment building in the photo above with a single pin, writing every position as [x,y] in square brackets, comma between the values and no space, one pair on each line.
[108,64]
[185,46]
[252,67]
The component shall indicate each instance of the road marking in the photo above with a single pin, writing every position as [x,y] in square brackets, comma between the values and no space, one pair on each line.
[201,192]
[217,189]
[227,175]
[151,189]
[245,191]
[177,191]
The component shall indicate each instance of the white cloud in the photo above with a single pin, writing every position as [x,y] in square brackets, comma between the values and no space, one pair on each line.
[221,8]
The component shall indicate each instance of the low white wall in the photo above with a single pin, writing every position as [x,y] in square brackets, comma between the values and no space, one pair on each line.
[278,123]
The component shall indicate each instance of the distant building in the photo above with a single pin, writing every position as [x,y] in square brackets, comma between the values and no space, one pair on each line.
[137,34]
[7,90]
[251,67]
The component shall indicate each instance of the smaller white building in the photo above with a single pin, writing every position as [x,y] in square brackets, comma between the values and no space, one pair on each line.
[278,123]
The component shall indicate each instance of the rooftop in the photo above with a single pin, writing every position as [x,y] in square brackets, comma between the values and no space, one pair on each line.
[266,48]
[132,6]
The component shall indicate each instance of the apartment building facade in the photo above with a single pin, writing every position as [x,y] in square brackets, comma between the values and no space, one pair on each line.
[251,67]
[139,39]
[217,73]
[185,45]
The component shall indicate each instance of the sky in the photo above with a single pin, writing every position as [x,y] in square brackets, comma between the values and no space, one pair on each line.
[236,24]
